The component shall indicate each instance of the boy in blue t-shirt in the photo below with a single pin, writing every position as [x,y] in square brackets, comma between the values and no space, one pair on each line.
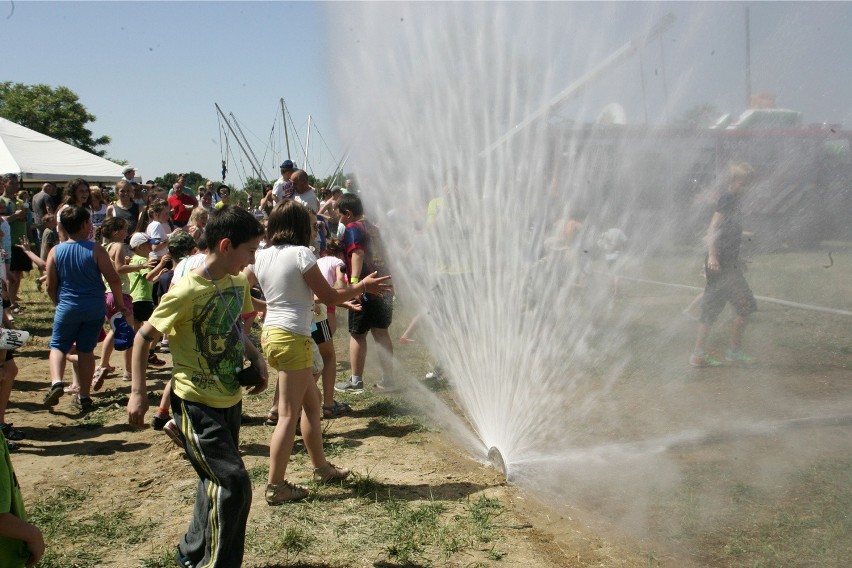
[76,270]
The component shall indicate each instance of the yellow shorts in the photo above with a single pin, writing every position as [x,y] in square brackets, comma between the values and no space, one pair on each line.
[286,351]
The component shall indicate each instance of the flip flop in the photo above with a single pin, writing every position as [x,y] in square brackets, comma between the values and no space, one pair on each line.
[98,378]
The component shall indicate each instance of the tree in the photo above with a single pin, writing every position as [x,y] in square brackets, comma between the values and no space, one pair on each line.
[193,180]
[55,112]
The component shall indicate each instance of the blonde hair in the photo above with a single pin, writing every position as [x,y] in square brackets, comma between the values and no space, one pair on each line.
[740,171]
[197,213]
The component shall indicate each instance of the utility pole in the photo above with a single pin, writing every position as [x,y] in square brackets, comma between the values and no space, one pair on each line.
[748,56]
[245,152]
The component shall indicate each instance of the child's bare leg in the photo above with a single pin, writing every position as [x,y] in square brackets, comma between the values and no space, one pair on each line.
[357,353]
[165,402]
[293,386]
[86,368]
[107,349]
[329,371]
[737,332]
[311,428]
[56,363]
[385,345]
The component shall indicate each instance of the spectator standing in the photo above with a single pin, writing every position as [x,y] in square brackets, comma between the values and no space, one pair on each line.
[42,204]
[283,189]
[364,255]
[16,215]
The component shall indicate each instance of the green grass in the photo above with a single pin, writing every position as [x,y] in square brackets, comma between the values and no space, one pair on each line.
[81,535]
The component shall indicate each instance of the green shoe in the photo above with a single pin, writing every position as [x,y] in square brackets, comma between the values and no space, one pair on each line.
[738,356]
[703,361]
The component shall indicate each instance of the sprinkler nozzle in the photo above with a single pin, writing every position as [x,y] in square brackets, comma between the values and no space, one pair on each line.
[496,459]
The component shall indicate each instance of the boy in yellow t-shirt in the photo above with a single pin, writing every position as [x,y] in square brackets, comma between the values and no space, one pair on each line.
[202,315]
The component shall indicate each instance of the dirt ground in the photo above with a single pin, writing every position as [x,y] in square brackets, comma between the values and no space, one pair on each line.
[805,371]
[144,473]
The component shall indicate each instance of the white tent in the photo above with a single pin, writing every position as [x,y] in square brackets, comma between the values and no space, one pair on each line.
[38,158]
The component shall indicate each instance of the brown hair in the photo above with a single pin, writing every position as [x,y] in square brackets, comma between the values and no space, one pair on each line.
[289,224]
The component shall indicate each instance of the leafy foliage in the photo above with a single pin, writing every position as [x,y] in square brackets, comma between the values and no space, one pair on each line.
[55,112]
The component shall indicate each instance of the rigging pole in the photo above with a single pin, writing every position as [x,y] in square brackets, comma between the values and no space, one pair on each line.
[255,163]
[231,128]
[617,57]
[307,143]
[286,134]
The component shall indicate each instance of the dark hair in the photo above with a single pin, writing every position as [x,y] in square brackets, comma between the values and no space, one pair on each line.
[289,224]
[351,203]
[333,247]
[69,196]
[48,218]
[7,177]
[112,225]
[73,218]
[233,223]
[201,241]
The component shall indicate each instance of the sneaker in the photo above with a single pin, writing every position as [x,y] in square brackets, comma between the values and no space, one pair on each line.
[738,356]
[125,376]
[82,405]
[158,422]
[330,473]
[350,386]
[280,493]
[54,394]
[12,445]
[164,346]
[170,429]
[12,434]
[183,560]
[703,361]
[155,361]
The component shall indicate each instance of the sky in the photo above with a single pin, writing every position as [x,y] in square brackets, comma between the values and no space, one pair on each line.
[151,71]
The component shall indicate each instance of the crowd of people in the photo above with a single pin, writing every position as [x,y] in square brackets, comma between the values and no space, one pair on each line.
[154,271]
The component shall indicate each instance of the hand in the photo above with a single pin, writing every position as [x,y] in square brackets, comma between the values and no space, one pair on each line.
[377,286]
[24,243]
[35,544]
[264,375]
[351,305]
[713,264]
[137,406]
[152,263]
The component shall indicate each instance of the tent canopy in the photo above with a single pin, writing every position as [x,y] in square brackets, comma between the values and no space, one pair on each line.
[39,158]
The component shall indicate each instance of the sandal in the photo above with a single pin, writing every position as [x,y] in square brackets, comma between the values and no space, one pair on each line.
[71,389]
[330,473]
[98,379]
[335,410]
[280,493]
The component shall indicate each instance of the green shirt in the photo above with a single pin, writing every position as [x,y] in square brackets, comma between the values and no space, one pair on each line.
[13,552]
[140,289]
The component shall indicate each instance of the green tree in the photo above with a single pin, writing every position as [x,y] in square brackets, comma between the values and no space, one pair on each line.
[55,112]
[193,180]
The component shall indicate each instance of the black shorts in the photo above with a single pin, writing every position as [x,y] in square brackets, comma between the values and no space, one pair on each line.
[727,285]
[322,333]
[142,311]
[376,313]
[20,261]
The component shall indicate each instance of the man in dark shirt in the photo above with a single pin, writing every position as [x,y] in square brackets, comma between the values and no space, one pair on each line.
[42,204]
[725,280]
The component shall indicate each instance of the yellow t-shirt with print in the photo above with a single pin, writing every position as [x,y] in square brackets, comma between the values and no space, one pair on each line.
[204,337]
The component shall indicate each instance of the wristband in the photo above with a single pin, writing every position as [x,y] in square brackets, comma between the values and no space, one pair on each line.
[354,280]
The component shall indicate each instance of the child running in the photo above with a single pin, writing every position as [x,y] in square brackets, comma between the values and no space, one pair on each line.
[202,315]
[287,272]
